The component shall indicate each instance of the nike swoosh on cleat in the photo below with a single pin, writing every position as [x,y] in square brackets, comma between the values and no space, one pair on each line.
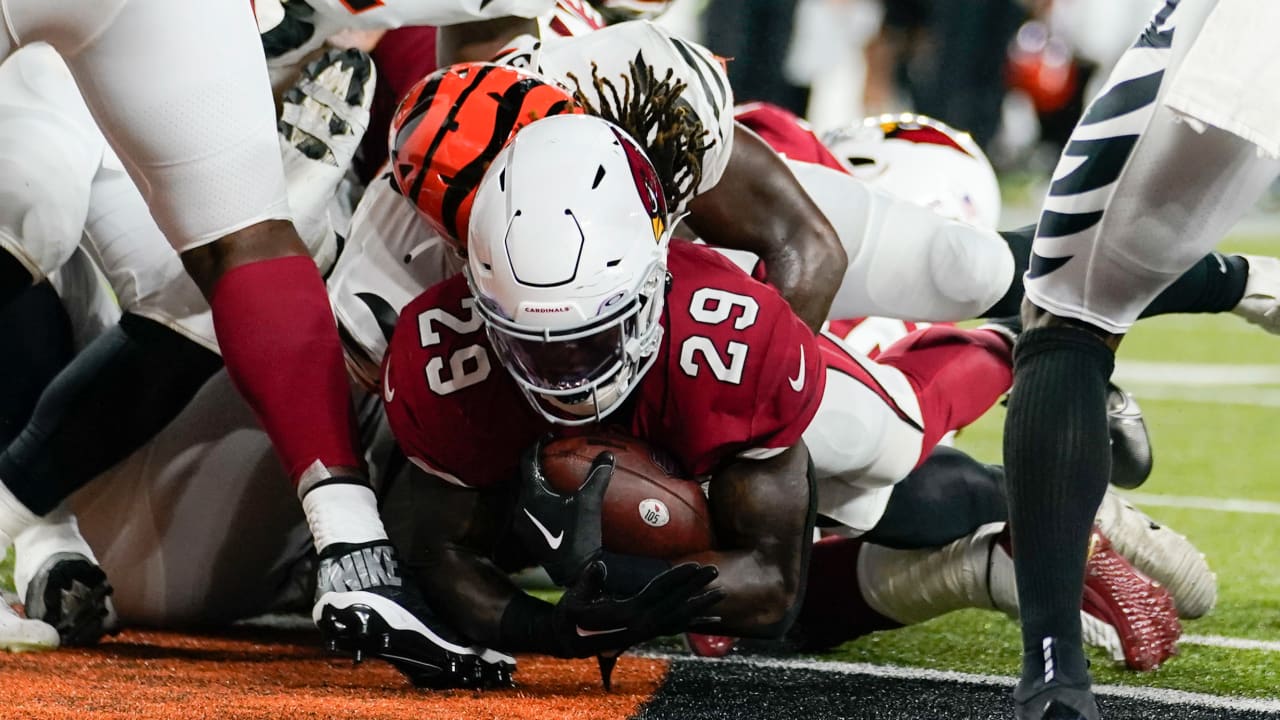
[552,540]
[797,382]
[589,633]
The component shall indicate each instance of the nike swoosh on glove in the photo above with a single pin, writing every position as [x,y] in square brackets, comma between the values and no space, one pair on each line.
[587,621]
[561,531]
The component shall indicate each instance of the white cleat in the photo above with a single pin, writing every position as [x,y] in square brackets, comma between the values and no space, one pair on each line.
[322,121]
[1261,302]
[1161,554]
[18,634]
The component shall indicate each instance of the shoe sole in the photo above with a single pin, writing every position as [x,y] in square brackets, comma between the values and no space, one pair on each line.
[357,95]
[88,617]
[356,625]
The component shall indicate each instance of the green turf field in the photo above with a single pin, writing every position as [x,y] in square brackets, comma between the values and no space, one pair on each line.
[1219,443]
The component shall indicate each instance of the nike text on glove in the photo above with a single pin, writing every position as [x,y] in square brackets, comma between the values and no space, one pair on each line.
[561,531]
[587,622]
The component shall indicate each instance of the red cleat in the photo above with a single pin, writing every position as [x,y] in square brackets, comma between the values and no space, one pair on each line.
[1127,613]
[712,646]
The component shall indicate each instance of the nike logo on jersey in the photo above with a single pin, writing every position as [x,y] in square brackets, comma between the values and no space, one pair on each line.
[797,382]
[589,633]
[553,541]
[388,392]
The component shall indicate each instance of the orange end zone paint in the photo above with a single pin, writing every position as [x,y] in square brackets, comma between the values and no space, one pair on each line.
[251,674]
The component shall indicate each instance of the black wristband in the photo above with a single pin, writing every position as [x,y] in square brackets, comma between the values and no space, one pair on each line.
[527,626]
[628,574]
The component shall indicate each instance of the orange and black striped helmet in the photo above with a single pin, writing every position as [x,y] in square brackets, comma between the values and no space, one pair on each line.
[451,126]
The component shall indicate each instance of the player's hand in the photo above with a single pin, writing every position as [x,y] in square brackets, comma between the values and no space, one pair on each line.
[561,531]
[589,622]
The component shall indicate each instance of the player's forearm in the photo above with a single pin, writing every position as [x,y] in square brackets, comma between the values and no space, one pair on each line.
[763,513]
[469,592]
[760,598]
[759,206]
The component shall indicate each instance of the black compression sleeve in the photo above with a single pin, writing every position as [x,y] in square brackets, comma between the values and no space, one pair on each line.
[1213,285]
[115,396]
[14,278]
[36,334]
[527,626]
[949,496]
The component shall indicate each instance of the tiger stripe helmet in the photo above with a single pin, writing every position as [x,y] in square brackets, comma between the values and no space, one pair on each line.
[449,128]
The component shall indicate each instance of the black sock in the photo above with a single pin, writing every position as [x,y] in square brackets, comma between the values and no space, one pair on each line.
[14,278]
[1057,461]
[115,396]
[949,496]
[36,333]
[1213,285]
[1020,247]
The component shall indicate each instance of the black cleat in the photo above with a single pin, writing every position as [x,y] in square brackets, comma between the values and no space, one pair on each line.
[607,663]
[71,593]
[1131,459]
[1054,702]
[392,622]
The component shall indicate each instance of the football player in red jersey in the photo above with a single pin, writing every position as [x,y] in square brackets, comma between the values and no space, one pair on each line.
[574,293]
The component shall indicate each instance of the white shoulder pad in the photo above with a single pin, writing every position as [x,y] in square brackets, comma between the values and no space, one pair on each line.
[614,49]
[391,256]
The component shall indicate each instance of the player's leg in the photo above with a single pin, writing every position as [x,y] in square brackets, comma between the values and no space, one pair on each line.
[199,137]
[1137,198]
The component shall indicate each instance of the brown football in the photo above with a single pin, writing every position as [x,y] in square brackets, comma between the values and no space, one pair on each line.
[650,509]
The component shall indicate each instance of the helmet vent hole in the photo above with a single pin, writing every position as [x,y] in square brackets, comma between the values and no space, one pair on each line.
[502,180]
[613,263]
[856,161]
[599,176]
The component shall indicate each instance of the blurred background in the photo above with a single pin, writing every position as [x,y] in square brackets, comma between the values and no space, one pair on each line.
[1016,74]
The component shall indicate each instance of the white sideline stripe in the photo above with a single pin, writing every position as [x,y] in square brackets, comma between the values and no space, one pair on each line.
[1253,507]
[1224,395]
[1160,695]
[1230,642]
[1200,374]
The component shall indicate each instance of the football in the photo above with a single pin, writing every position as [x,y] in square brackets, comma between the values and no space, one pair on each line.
[650,508]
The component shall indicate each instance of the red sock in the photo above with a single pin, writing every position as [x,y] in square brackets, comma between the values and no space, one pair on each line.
[958,375]
[280,344]
[834,610]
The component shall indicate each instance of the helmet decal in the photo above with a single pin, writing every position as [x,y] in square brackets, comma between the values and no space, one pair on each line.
[647,184]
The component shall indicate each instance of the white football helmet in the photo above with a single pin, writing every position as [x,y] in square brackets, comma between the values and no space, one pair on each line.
[567,260]
[924,161]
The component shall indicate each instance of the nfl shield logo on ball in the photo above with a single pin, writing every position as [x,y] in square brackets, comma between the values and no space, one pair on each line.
[654,512]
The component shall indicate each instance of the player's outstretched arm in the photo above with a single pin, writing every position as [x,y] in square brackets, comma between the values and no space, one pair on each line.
[450,552]
[763,513]
[447,535]
[759,206]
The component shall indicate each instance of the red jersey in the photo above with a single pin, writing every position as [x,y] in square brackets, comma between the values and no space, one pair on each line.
[787,134]
[736,371]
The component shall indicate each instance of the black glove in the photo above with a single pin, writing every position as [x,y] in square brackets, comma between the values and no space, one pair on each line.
[587,622]
[562,532]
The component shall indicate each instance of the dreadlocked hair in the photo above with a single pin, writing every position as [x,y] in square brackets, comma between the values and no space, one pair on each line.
[655,113]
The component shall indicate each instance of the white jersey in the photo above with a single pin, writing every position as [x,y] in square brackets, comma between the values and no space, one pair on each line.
[392,255]
[569,62]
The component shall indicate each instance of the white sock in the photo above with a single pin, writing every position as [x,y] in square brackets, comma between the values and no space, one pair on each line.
[14,516]
[342,513]
[57,532]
